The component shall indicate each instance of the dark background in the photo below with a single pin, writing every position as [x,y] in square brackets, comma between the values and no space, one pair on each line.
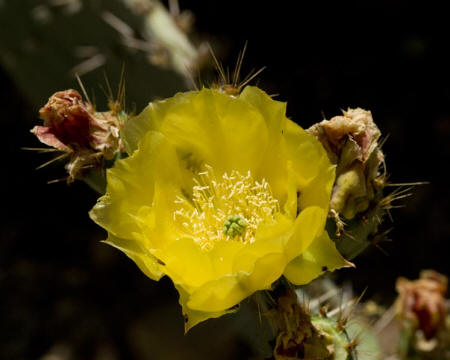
[62,292]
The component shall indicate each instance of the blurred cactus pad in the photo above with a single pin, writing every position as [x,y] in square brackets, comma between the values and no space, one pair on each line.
[45,43]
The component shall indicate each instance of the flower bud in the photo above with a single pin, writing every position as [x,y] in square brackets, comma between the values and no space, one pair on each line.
[422,301]
[357,205]
[66,121]
[73,126]
[351,142]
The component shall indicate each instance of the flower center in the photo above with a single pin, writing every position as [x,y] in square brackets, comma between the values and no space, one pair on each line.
[234,226]
[226,208]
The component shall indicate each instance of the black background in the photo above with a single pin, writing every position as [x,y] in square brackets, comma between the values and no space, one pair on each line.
[60,287]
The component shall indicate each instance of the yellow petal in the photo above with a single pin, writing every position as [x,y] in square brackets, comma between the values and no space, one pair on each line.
[158,228]
[223,256]
[146,262]
[218,295]
[186,263]
[224,293]
[266,271]
[150,119]
[193,317]
[308,225]
[318,192]
[244,130]
[314,173]
[270,238]
[255,267]
[206,127]
[273,112]
[321,256]
[130,185]
[273,169]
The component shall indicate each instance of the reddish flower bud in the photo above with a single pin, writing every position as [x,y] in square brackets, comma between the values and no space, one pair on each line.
[423,301]
[73,126]
[66,119]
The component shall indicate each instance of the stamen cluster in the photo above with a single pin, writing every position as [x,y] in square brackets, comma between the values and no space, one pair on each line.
[234,202]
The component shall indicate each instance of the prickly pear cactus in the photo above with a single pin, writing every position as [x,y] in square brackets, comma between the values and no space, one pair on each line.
[337,339]
[142,35]
[302,335]
[354,236]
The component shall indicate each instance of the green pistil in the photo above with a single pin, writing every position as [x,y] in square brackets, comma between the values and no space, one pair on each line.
[234,226]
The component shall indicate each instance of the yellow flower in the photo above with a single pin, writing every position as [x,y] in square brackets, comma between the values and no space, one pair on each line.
[222,194]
